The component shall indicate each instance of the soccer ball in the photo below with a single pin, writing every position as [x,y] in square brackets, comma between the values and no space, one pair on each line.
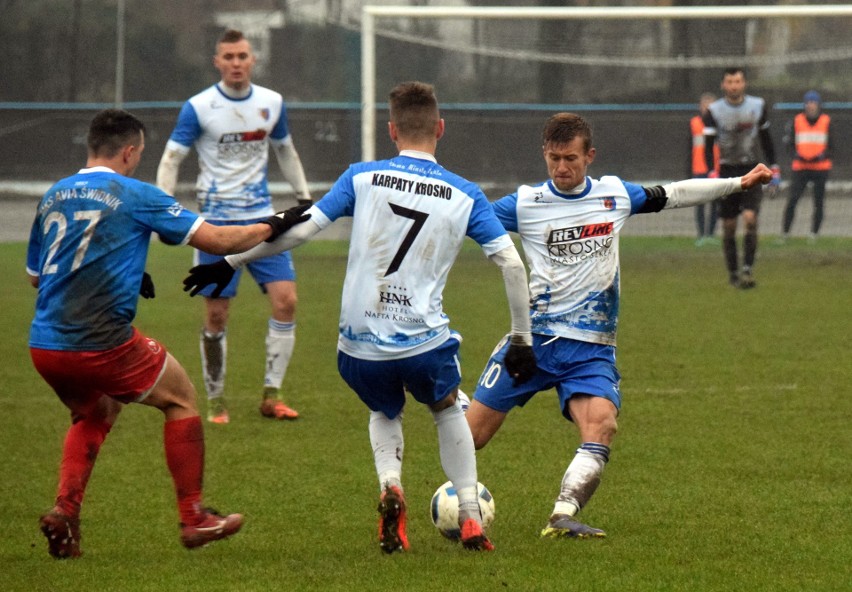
[445,509]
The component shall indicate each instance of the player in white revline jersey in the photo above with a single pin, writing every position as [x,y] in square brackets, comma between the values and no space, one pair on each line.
[410,217]
[569,227]
[232,125]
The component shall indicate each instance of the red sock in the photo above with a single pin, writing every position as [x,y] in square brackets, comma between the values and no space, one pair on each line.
[79,453]
[184,443]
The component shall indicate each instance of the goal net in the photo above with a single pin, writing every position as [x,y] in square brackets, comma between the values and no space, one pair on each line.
[635,73]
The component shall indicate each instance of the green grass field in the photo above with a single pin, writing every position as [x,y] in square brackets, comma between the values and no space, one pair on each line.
[731,470]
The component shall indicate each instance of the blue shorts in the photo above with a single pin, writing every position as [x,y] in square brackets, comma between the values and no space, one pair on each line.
[381,384]
[276,268]
[572,367]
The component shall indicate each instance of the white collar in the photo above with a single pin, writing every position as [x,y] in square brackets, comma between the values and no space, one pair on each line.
[418,154]
[96,169]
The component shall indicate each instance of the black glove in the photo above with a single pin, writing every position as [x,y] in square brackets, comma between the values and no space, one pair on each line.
[146,288]
[201,276]
[284,221]
[520,362]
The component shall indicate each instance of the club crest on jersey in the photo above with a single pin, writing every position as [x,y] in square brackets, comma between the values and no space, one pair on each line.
[265,114]
[175,209]
[608,203]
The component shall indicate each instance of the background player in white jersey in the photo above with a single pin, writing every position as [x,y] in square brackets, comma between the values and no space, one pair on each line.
[738,124]
[86,256]
[232,125]
[410,217]
[569,227]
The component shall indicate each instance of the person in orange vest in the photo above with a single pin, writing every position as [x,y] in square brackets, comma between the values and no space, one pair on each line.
[810,144]
[705,214]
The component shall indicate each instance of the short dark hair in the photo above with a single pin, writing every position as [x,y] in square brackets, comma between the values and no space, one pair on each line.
[734,70]
[111,130]
[562,128]
[230,36]
[414,109]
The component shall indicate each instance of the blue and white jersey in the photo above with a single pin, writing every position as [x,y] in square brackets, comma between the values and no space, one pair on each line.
[232,138]
[410,217]
[88,246]
[737,128]
[571,246]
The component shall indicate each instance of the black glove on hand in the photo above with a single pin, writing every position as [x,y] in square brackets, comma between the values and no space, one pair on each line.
[520,362]
[146,288]
[284,221]
[201,276]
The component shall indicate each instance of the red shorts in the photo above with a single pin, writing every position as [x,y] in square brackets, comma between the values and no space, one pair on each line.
[126,373]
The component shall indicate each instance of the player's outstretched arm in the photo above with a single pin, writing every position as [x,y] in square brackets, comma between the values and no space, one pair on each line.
[294,237]
[694,192]
[294,233]
[223,240]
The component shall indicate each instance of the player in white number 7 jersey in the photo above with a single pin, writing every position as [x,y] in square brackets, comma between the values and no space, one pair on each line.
[410,217]
[569,228]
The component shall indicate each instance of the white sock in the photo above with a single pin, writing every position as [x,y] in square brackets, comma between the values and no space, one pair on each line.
[279,348]
[386,438]
[214,355]
[458,457]
[582,478]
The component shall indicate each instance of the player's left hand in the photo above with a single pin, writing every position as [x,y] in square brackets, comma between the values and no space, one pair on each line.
[146,288]
[520,362]
[281,222]
[201,276]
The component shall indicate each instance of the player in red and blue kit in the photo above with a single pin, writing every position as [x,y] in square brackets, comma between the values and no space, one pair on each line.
[569,227]
[86,255]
